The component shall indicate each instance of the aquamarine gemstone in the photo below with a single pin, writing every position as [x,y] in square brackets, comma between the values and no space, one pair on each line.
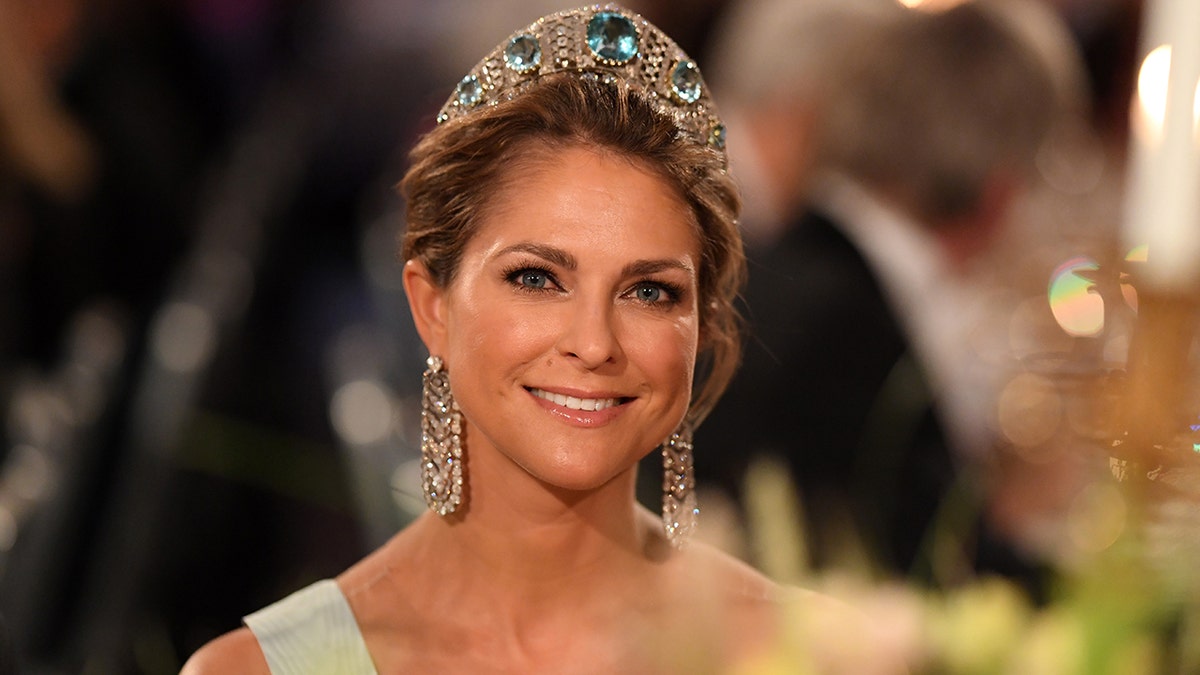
[469,91]
[523,53]
[685,81]
[716,136]
[612,37]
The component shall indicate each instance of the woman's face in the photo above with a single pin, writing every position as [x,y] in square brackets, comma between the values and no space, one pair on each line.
[570,330]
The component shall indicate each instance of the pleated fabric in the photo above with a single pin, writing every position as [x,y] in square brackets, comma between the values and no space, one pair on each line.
[311,632]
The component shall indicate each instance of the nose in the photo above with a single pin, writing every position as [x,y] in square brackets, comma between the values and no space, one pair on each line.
[590,334]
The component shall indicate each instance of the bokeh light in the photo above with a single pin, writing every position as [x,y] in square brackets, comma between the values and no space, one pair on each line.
[361,412]
[1033,330]
[1078,310]
[1078,307]
[1097,517]
[184,337]
[1029,412]
[1139,253]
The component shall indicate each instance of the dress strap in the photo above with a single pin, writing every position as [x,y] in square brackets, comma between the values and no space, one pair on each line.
[311,631]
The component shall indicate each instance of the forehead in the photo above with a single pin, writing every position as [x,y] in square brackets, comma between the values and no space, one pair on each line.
[590,199]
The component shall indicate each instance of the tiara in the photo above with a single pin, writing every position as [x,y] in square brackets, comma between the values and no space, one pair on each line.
[605,42]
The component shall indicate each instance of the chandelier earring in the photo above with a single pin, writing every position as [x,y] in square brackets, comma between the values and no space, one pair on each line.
[679,508]
[441,441]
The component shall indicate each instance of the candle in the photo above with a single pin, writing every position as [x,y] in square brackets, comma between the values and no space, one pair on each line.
[1163,205]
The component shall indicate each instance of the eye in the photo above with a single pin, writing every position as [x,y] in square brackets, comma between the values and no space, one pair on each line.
[531,279]
[648,292]
[654,293]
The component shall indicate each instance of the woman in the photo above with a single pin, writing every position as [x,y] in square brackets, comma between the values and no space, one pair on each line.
[571,253]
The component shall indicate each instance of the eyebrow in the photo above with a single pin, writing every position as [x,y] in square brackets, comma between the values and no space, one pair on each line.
[639,268]
[548,253]
[561,258]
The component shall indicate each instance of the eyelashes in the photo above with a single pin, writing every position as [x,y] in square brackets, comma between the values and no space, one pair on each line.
[656,293]
[532,278]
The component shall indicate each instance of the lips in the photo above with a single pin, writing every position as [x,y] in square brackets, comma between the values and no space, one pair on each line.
[575,403]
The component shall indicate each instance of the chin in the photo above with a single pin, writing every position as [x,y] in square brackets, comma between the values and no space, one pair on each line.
[579,477]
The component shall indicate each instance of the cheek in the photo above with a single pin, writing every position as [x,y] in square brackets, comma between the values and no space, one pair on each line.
[491,334]
[688,334]
[667,351]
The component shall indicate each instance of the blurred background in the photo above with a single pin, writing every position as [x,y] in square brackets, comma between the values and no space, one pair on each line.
[208,379]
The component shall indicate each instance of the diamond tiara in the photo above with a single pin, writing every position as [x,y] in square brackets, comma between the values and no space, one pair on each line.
[600,41]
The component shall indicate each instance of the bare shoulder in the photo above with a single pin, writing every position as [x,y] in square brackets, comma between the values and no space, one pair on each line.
[772,620]
[235,652]
[840,637]
[730,573]
[743,602]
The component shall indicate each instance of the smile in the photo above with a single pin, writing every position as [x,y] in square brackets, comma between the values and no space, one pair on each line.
[573,403]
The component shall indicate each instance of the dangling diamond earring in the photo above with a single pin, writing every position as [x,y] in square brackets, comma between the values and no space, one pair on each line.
[441,444]
[679,510]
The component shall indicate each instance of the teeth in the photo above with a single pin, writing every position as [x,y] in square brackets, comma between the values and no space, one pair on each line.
[573,403]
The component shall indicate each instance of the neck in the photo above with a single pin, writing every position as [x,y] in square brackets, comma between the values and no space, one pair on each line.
[523,545]
[525,575]
[547,526]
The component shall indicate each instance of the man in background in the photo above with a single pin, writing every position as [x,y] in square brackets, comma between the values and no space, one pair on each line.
[860,370]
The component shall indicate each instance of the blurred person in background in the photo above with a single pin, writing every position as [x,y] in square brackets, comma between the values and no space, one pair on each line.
[117,119]
[47,171]
[776,86]
[112,114]
[860,373]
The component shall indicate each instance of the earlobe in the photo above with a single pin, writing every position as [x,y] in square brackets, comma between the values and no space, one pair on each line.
[426,301]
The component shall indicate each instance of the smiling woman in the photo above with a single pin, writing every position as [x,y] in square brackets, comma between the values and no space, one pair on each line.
[570,328]
[571,261]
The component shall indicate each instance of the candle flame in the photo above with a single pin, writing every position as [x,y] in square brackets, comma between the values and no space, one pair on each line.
[929,5]
[1152,95]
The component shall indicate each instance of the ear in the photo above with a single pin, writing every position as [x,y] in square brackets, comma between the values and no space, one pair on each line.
[427,302]
[967,238]
[1001,190]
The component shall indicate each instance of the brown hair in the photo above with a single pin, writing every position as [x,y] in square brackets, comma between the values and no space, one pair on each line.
[461,164]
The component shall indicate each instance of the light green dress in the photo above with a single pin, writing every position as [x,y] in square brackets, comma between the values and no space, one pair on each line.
[311,632]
